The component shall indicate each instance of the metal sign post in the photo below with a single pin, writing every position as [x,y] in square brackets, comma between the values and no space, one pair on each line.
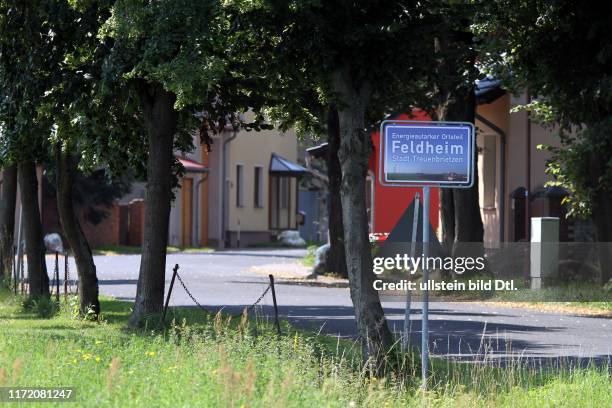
[425,310]
[426,154]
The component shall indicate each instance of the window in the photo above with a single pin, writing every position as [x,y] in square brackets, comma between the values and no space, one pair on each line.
[284,193]
[239,185]
[258,199]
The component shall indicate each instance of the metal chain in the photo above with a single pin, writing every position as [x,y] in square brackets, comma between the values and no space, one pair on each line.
[204,309]
[189,293]
[259,299]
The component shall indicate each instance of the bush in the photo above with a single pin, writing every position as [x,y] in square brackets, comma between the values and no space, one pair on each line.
[309,258]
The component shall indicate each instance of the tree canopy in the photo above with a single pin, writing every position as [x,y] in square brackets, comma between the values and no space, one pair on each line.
[561,52]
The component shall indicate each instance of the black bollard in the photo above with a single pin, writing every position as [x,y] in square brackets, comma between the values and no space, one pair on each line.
[276,322]
[174,272]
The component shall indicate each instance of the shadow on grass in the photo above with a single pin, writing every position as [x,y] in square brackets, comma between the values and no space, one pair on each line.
[473,376]
[460,339]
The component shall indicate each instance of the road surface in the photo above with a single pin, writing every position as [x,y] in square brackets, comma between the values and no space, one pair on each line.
[467,331]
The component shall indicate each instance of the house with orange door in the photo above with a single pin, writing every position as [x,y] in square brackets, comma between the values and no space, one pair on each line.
[241,193]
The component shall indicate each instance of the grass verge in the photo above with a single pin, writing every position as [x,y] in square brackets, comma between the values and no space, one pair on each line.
[130,250]
[209,360]
[585,299]
[309,258]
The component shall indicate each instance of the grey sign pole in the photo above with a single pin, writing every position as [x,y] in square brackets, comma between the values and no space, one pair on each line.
[405,146]
[425,316]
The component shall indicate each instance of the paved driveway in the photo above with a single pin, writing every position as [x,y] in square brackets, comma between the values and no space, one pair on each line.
[462,330]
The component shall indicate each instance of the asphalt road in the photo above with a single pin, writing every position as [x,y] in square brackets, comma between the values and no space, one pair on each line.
[467,331]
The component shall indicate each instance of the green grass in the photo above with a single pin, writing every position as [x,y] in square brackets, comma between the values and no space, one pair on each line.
[128,250]
[279,244]
[116,250]
[189,250]
[218,361]
[309,258]
[589,298]
[592,297]
[272,245]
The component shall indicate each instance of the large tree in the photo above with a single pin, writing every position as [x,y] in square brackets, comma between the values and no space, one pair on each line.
[560,52]
[454,100]
[296,100]
[63,62]
[351,52]
[72,126]
[67,102]
[7,221]
[167,55]
[38,279]
[25,48]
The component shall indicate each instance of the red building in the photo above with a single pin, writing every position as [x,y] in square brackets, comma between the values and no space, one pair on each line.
[387,204]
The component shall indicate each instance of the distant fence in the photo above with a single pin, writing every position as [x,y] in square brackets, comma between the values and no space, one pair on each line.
[20,282]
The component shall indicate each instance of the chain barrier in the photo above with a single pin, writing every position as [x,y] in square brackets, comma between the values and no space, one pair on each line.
[265,292]
[189,293]
[55,281]
[270,287]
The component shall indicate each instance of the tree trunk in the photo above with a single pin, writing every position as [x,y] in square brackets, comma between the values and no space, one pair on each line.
[602,217]
[161,121]
[457,102]
[336,258]
[7,221]
[461,207]
[444,73]
[447,207]
[354,153]
[35,248]
[86,269]
[469,229]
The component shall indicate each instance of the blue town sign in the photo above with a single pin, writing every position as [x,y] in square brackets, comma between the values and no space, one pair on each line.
[434,154]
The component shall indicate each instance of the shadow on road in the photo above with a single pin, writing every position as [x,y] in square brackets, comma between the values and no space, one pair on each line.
[459,339]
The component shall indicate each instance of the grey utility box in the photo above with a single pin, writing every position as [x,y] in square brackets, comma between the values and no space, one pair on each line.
[544,251]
